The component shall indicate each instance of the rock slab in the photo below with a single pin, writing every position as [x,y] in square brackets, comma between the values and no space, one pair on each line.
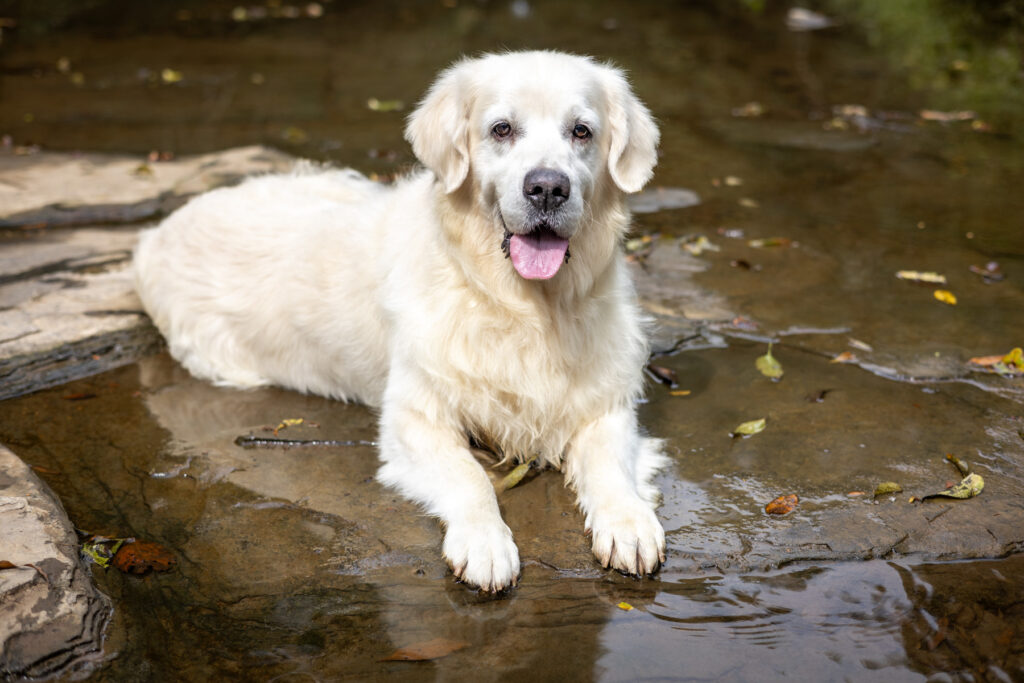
[51,616]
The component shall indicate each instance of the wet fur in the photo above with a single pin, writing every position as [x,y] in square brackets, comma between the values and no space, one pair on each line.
[402,297]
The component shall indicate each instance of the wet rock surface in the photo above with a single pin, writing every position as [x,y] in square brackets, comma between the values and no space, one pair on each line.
[52,617]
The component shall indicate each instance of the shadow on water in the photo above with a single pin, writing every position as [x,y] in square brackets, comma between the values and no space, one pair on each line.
[295,565]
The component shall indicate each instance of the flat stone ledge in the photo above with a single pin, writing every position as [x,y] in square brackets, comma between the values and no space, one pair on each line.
[52,617]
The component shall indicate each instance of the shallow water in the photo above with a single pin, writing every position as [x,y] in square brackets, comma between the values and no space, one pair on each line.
[295,565]
[299,585]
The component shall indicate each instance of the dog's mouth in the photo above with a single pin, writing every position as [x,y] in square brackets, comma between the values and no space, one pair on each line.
[538,254]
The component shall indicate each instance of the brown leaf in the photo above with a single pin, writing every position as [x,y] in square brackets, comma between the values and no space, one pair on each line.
[142,557]
[782,505]
[80,396]
[4,564]
[430,649]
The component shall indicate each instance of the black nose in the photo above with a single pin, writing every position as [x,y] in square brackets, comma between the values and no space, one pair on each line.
[546,188]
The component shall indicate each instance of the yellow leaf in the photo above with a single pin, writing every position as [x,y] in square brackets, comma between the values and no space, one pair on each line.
[625,606]
[750,428]
[768,366]
[970,486]
[916,276]
[170,76]
[945,296]
[680,392]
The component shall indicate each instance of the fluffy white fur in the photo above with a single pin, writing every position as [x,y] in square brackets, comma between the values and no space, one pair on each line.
[402,297]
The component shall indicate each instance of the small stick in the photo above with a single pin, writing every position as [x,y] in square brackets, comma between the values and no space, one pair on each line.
[253,441]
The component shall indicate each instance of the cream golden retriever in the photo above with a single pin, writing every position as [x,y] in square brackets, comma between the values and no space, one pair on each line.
[485,298]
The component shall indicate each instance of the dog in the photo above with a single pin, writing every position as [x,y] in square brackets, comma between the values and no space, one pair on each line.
[484,299]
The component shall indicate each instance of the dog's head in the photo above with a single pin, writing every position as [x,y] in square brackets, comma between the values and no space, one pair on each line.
[537,134]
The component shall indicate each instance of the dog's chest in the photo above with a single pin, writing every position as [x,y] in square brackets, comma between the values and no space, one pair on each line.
[524,389]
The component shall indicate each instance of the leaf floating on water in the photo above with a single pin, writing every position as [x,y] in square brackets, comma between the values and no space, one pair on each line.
[844,357]
[963,469]
[887,487]
[782,505]
[769,366]
[516,475]
[917,276]
[624,606]
[945,296]
[750,428]
[142,557]
[427,650]
[680,392]
[970,486]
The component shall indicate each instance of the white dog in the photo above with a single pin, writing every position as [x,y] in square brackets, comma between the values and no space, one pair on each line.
[485,298]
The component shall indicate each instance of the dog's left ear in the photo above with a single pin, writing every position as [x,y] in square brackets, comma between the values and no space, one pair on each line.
[438,130]
[633,150]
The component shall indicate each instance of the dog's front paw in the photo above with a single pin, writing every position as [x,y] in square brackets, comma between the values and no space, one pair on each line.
[628,537]
[482,554]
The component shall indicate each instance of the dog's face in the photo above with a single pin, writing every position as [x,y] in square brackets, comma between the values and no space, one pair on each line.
[537,134]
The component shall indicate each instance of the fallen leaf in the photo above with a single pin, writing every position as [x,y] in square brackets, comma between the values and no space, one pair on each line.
[855,494]
[782,505]
[142,557]
[80,396]
[887,487]
[697,244]
[750,428]
[970,486]
[946,116]
[101,549]
[373,104]
[945,296]
[170,76]
[769,366]
[624,606]
[680,392]
[732,181]
[4,564]
[516,475]
[427,650]
[926,277]
[859,345]
[769,242]
[844,357]
[666,376]
[748,203]
[1008,365]
[990,272]
[288,422]
[749,110]
[963,469]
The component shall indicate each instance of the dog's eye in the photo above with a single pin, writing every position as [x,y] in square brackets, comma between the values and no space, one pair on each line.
[581,132]
[501,130]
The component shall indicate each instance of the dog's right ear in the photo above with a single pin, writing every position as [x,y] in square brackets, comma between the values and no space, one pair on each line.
[438,130]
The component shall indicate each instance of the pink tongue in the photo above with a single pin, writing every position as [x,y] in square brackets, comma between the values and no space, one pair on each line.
[539,255]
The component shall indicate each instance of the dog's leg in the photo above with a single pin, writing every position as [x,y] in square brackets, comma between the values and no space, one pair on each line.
[609,465]
[429,462]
